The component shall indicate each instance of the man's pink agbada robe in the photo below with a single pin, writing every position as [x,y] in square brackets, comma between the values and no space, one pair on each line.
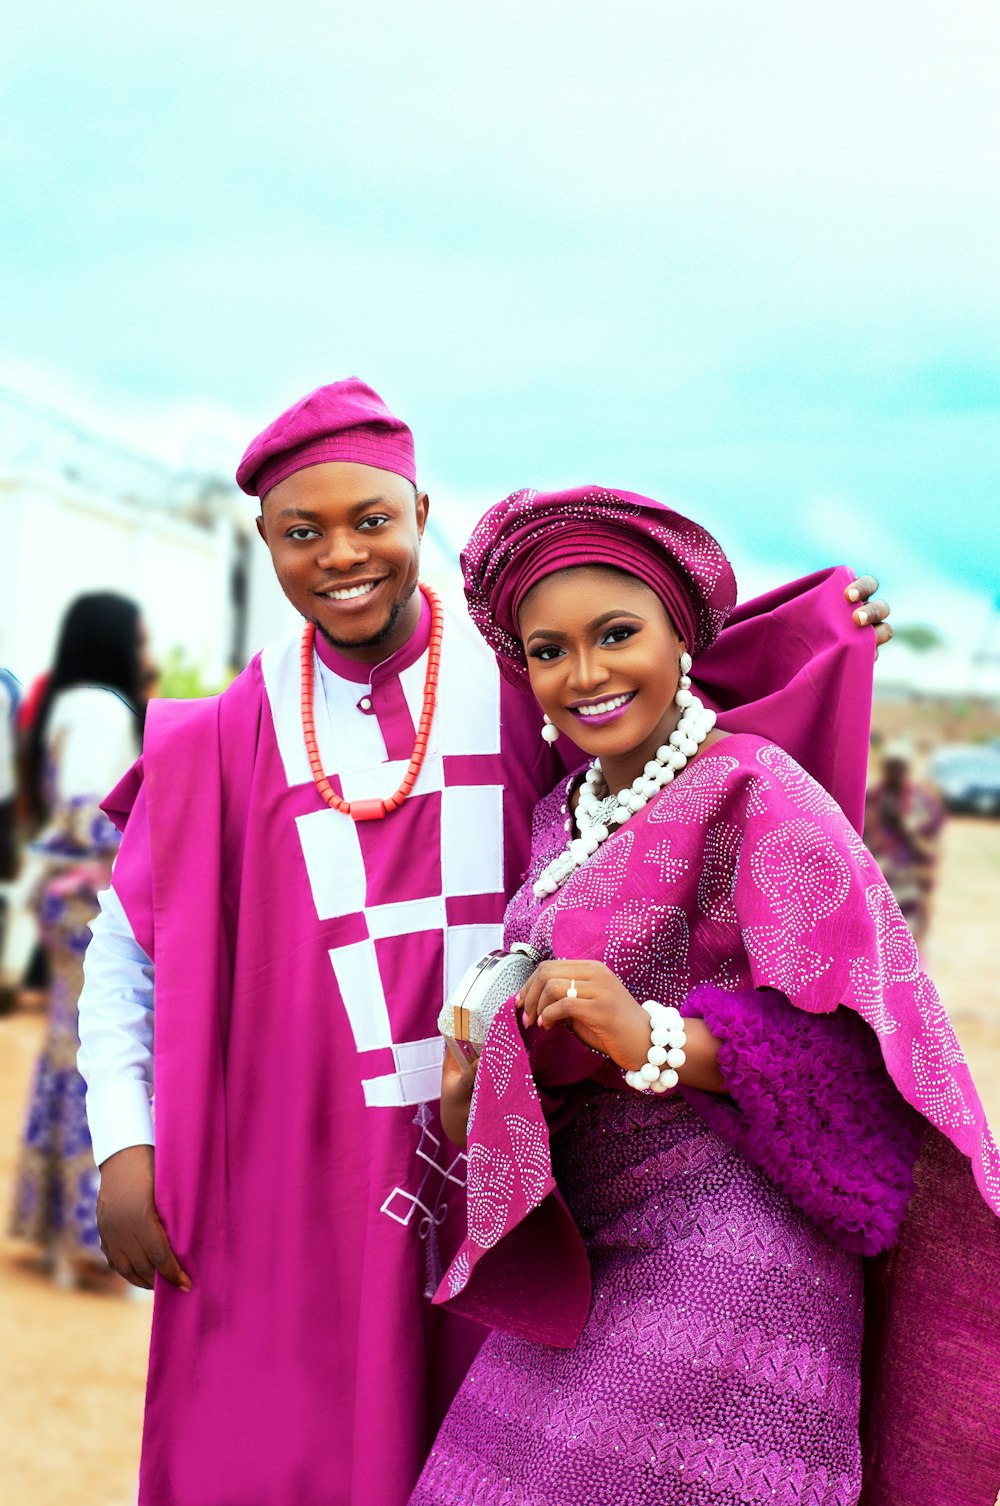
[300,1166]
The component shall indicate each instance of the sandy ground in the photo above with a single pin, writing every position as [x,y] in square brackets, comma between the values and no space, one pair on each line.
[73,1364]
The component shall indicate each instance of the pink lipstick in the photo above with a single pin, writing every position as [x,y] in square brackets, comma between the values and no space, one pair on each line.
[590,716]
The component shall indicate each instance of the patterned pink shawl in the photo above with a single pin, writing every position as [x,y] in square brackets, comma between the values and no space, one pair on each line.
[745,872]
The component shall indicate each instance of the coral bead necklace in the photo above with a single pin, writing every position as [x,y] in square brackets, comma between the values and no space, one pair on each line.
[373,810]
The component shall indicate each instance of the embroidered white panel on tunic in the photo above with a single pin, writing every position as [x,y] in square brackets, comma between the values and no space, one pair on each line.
[417,1078]
[360,983]
[384,779]
[407,918]
[469,856]
[335,706]
[472,839]
[468,709]
[464,945]
[336,868]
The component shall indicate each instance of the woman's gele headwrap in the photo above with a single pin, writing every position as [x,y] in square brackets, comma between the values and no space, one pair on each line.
[532,534]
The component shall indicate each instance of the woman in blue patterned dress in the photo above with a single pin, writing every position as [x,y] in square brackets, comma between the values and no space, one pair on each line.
[87,734]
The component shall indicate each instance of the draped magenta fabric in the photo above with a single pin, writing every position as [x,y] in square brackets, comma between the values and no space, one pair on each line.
[743,873]
[787,666]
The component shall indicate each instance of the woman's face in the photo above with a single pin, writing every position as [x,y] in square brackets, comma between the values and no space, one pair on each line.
[603,659]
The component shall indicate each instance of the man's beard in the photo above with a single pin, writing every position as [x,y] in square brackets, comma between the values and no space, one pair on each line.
[383,633]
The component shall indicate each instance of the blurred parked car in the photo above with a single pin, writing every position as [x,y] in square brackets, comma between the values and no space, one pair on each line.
[968,776]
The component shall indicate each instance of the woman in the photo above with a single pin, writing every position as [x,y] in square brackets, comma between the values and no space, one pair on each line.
[87,733]
[669,1213]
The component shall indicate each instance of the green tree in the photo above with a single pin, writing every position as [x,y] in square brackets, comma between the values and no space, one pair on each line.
[919,635]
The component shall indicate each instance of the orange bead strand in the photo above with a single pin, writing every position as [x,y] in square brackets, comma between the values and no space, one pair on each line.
[373,810]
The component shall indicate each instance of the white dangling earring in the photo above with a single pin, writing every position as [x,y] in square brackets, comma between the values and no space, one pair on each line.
[683,698]
[549,732]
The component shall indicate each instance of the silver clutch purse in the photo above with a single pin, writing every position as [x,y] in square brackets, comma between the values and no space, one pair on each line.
[469,1009]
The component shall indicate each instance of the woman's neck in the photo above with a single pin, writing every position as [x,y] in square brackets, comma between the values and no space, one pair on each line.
[620,769]
[620,772]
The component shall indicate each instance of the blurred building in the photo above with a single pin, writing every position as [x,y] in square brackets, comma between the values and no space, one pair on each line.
[79,512]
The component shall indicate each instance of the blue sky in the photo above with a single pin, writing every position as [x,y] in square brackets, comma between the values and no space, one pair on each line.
[740,256]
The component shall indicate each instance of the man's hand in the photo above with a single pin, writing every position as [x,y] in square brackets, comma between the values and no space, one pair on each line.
[132,1237]
[870,613]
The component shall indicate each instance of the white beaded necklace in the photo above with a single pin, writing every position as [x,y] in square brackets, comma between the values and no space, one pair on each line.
[598,814]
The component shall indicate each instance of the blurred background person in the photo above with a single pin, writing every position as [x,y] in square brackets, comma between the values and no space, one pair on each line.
[24,966]
[9,696]
[86,733]
[904,818]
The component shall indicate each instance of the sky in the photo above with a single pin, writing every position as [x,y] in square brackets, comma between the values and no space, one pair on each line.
[740,256]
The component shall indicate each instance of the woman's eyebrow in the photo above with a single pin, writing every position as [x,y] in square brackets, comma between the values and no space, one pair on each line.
[552,633]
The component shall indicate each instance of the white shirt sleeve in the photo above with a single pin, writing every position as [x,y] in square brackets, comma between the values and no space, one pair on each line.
[116,1033]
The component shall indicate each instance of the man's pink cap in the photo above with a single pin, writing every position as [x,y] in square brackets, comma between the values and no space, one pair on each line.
[343,421]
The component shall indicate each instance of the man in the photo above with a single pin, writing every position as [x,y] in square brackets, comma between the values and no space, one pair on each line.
[309,861]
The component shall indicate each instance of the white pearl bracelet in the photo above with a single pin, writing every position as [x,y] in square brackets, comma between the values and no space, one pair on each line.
[667,1039]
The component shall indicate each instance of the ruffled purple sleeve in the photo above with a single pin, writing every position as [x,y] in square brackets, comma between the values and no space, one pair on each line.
[811,1103]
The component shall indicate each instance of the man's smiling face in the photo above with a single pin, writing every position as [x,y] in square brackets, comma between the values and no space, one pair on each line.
[345,544]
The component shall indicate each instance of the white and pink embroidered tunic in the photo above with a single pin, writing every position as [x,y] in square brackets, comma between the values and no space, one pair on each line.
[300,961]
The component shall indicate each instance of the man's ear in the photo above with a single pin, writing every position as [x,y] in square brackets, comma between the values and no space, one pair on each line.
[423,508]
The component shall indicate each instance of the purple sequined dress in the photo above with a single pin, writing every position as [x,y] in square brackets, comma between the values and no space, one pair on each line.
[720,1361]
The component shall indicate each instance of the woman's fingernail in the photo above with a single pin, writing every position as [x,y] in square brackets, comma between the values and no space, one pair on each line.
[854,594]
[862,617]
[524,1018]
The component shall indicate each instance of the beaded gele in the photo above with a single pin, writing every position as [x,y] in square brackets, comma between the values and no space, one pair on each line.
[694,555]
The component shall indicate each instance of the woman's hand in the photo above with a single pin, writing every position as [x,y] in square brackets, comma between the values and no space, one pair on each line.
[870,613]
[456,1096]
[603,1015]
